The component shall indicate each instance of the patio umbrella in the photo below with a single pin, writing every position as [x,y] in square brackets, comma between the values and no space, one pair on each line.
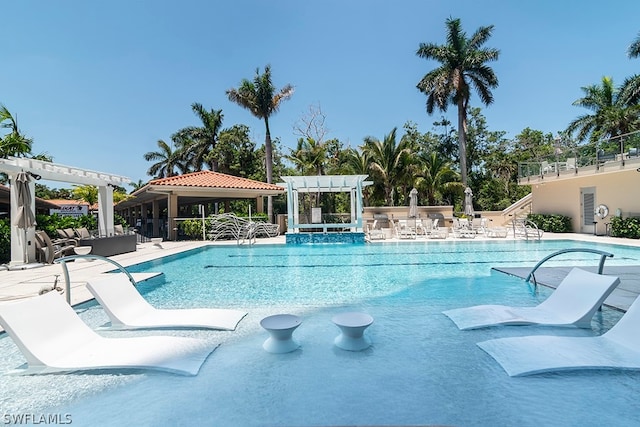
[24,215]
[468,202]
[413,203]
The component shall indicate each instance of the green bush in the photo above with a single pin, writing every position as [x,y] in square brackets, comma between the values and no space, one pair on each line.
[5,240]
[50,223]
[192,228]
[553,223]
[628,227]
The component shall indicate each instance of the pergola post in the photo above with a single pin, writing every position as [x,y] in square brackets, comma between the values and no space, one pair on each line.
[105,210]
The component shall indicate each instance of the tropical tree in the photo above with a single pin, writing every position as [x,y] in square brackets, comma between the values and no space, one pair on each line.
[388,161]
[13,143]
[86,193]
[436,177]
[166,161]
[235,152]
[309,156]
[630,91]
[137,185]
[357,163]
[463,66]
[262,99]
[199,143]
[611,116]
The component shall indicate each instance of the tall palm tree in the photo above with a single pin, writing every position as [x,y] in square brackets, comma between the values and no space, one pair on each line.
[436,176]
[14,143]
[262,99]
[630,90]
[167,160]
[463,66]
[199,143]
[612,115]
[387,161]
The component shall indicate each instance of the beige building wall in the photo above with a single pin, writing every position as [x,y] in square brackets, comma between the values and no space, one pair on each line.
[615,189]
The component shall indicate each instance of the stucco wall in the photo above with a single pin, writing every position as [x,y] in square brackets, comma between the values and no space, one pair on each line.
[616,190]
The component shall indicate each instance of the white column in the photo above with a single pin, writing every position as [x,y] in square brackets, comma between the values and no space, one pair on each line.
[105,210]
[172,213]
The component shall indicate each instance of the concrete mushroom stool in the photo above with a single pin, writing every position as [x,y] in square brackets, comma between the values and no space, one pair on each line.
[352,326]
[280,328]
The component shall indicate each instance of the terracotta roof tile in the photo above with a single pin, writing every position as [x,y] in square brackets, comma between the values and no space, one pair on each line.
[214,179]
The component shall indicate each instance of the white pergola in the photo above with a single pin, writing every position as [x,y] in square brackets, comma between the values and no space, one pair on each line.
[57,172]
[352,184]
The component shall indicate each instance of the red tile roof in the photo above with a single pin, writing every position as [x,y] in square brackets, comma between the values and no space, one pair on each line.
[214,180]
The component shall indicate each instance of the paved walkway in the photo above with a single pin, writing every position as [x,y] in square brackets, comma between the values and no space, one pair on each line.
[15,284]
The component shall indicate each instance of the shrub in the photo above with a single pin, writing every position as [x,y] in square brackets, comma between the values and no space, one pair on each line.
[628,227]
[50,223]
[5,240]
[192,228]
[553,223]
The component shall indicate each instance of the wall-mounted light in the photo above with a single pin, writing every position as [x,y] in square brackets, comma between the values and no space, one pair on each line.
[35,176]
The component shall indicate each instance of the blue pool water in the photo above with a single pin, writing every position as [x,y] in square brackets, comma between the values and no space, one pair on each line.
[420,369]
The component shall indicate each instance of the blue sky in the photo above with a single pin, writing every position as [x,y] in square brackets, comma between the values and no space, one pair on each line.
[96,84]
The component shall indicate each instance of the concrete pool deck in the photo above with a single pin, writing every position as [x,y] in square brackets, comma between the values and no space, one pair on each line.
[15,284]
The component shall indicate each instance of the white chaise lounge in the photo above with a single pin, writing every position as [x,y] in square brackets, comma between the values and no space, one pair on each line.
[619,348]
[573,303]
[127,309]
[53,338]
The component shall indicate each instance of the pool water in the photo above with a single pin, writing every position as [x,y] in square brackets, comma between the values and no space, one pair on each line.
[420,369]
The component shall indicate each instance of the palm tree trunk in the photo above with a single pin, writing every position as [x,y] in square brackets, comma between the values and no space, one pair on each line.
[462,141]
[268,154]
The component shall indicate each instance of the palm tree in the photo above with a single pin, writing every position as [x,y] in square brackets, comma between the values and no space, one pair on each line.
[309,157]
[387,161]
[612,115]
[13,143]
[262,99]
[199,142]
[630,91]
[463,65]
[86,193]
[167,160]
[436,176]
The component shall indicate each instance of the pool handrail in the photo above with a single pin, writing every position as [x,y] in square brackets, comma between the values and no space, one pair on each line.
[67,282]
[603,256]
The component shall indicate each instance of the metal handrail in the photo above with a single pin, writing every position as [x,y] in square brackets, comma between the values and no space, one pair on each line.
[603,256]
[67,283]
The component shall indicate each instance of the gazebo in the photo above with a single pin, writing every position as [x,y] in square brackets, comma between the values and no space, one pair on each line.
[352,184]
[147,204]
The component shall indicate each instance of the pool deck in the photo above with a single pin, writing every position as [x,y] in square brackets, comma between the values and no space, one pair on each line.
[16,284]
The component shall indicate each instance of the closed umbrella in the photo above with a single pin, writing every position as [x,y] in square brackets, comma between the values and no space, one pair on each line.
[468,202]
[24,217]
[413,203]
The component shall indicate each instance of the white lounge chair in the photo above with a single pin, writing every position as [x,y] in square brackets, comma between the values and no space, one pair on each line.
[573,303]
[618,348]
[127,309]
[375,233]
[53,338]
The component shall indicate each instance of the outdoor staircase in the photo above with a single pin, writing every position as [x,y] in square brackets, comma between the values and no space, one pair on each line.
[517,211]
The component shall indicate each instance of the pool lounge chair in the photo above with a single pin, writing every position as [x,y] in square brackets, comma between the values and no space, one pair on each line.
[53,338]
[572,303]
[618,348]
[127,309]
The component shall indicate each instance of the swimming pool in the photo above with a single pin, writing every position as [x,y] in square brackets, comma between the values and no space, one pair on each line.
[420,370]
